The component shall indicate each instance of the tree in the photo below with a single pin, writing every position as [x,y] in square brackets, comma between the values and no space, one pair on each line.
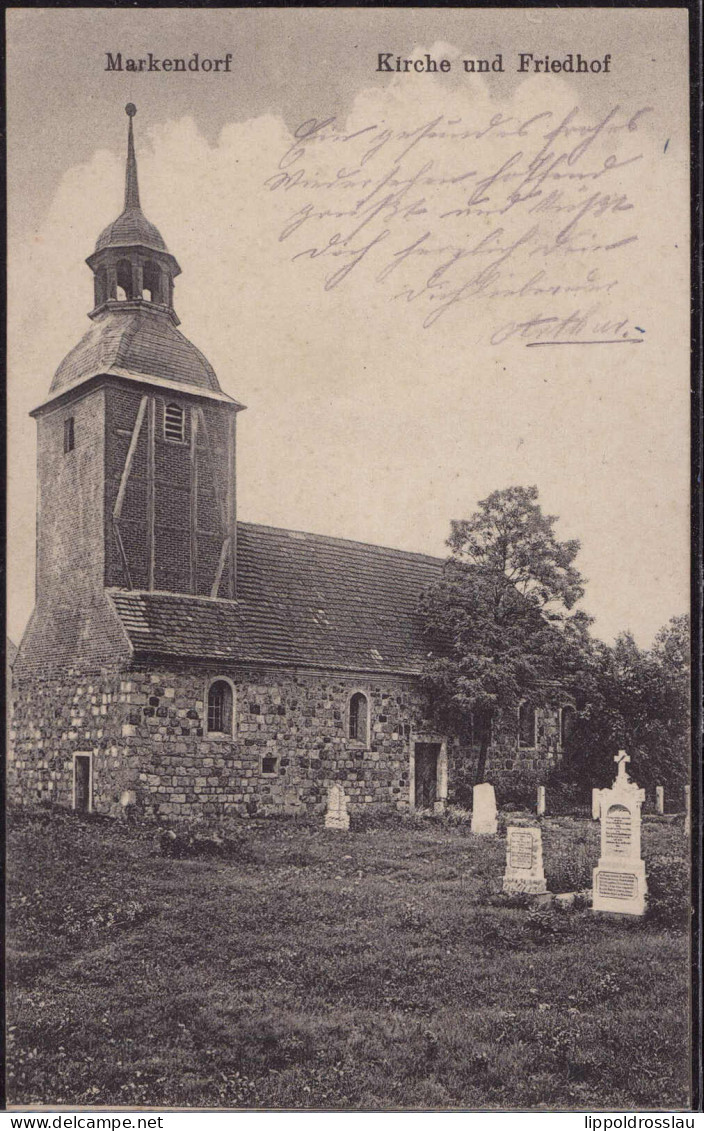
[636,699]
[499,620]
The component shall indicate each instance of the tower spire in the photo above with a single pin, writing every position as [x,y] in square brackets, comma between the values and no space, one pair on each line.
[131,183]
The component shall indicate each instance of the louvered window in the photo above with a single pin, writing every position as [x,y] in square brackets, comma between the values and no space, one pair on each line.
[174,423]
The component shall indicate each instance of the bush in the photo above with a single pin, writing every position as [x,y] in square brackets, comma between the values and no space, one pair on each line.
[188,846]
[517,790]
[570,872]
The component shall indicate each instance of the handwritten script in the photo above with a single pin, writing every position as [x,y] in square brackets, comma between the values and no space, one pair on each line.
[523,223]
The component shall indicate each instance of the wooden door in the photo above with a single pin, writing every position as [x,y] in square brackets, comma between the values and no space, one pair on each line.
[426,755]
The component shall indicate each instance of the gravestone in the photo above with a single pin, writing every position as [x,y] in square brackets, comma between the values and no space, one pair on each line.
[524,860]
[484,821]
[540,808]
[596,804]
[659,799]
[619,878]
[337,816]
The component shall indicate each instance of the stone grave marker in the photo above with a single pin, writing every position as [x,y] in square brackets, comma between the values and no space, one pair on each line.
[659,799]
[619,878]
[596,804]
[524,860]
[540,807]
[337,816]
[484,822]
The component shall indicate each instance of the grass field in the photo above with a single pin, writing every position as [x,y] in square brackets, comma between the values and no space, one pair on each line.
[372,969]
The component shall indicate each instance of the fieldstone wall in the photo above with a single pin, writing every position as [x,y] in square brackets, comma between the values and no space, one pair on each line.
[146,730]
[54,718]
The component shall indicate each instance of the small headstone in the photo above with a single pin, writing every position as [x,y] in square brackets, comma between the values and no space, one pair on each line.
[484,822]
[540,808]
[337,816]
[619,878]
[596,804]
[659,799]
[524,860]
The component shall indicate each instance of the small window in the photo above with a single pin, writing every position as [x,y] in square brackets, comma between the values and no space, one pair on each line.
[526,725]
[174,423]
[269,764]
[358,717]
[220,707]
[69,438]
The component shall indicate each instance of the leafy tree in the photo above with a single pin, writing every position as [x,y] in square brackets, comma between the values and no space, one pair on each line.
[499,620]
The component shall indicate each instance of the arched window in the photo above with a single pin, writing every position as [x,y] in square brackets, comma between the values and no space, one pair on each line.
[151,283]
[124,280]
[526,725]
[174,423]
[358,724]
[220,707]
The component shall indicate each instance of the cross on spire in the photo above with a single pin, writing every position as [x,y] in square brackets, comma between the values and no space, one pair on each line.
[131,184]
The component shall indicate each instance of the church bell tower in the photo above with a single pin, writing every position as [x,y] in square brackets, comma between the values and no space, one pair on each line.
[136,443]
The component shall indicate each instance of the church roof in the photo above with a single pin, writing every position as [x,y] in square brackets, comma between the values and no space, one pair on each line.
[303,599]
[141,342]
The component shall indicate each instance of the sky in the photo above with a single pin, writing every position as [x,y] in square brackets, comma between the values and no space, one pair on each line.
[362,420]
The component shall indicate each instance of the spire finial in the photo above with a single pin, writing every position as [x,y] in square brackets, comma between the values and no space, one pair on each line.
[131,185]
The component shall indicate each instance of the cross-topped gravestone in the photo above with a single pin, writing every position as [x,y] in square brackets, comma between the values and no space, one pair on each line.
[619,878]
[620,759]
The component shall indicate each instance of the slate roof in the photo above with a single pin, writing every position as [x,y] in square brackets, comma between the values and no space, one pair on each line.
[129,230]
[303,599]
[143,341]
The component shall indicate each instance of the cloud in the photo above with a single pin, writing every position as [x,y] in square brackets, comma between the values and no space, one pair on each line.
[361,423]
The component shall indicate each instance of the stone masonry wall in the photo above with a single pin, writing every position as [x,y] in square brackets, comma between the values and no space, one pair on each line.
[297,719]
[54,718]
[146,730]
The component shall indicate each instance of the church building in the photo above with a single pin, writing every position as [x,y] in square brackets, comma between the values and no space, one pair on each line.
[183,662]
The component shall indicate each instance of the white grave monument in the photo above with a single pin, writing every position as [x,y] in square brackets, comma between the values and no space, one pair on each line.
[540,807]
[484,821]
[619,878]
[337,816]
[524,860]
[596,804]
[659,799]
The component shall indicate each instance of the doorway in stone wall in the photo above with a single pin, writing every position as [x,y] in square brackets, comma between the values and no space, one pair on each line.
[426,775]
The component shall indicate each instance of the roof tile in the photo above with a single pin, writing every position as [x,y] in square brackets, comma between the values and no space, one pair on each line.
[303,599]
